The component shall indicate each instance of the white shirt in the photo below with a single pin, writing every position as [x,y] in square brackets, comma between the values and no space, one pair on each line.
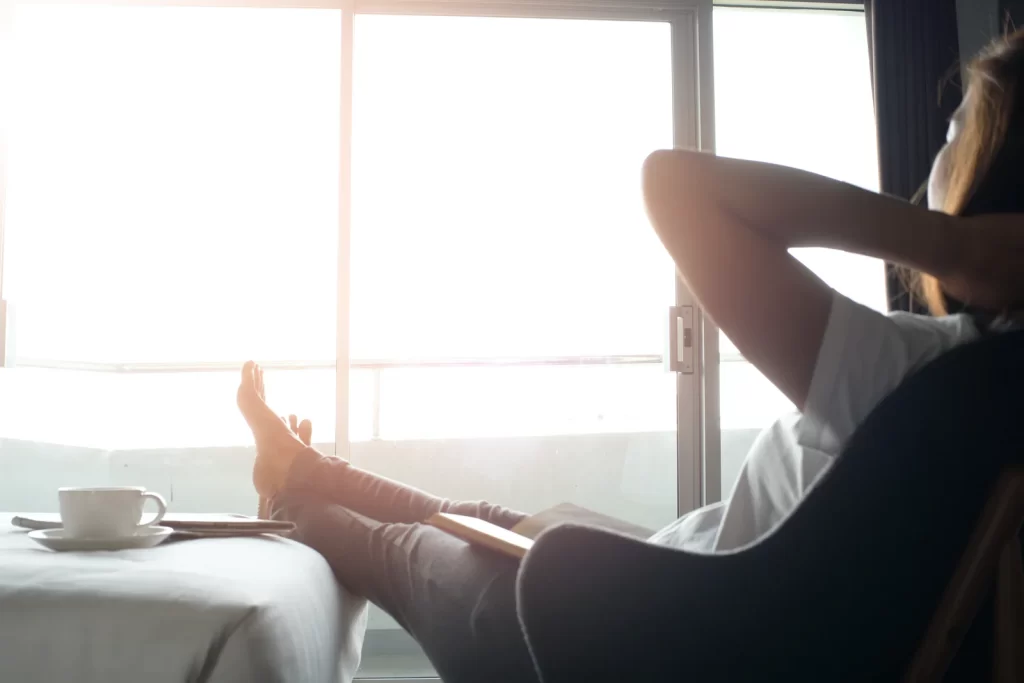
[864,355]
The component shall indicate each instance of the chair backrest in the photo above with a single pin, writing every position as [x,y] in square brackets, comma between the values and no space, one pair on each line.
[992,560]
[844,589]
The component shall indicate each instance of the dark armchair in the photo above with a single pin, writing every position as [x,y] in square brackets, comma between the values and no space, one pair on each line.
[886,571]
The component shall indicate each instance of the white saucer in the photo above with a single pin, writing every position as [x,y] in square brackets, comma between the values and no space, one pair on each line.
[54,539]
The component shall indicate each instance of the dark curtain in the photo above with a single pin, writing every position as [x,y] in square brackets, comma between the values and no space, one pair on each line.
[914,59]
[1012,11]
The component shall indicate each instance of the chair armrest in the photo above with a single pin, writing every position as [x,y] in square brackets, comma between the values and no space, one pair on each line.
[596,605]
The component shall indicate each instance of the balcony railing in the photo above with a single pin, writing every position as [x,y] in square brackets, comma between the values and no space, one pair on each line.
[355,364]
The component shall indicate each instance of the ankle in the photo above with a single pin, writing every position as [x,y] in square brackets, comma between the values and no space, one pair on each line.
[301,467]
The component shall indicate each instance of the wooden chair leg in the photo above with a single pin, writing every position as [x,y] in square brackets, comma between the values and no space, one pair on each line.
[1009,616]
[998,524]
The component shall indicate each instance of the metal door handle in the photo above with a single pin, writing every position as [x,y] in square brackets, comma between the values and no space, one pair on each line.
[680,339]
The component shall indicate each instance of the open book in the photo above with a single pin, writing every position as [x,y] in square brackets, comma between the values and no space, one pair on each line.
[517,541]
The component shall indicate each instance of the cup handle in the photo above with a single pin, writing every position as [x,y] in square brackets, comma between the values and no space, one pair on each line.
[161,503]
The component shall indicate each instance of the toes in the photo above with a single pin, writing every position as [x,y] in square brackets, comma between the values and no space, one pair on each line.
[252,405]
[248,374]
[260,389]
[303,430]
[247,384]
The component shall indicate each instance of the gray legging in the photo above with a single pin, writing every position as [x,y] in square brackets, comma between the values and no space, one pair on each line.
[456,600]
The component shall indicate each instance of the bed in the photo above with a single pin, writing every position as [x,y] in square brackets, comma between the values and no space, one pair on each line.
[213,610]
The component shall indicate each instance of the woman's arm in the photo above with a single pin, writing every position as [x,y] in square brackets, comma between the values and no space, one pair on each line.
[728,224]
[989,273]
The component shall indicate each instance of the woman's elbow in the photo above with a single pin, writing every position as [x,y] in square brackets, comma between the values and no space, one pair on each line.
[659,175]
[673,184]
[659,169]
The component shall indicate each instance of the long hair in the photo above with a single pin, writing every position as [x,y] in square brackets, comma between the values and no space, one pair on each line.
[986,159]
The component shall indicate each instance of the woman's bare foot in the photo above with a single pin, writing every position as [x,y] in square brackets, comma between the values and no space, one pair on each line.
[303,430]
[277,443]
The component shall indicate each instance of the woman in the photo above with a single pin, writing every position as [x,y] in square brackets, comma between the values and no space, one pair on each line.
[728,224]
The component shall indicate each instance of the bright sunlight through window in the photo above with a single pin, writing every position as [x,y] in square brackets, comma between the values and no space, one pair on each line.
[173,199]
[173,190]
[793,87]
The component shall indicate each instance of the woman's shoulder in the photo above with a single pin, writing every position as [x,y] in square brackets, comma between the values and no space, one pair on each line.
[859,337]
[895,343]
[866,354]
[932,335]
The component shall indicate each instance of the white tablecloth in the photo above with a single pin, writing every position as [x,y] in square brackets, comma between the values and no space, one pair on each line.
[211,610]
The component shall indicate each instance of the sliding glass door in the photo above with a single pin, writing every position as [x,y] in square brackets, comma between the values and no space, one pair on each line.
[508,298]
[424,218]
[509,301]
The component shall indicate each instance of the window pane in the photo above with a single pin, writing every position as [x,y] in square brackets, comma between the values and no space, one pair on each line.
[525,401]
[172,198]
[169,204]
[497,214]
[498,217]
[496,204]
[816,114]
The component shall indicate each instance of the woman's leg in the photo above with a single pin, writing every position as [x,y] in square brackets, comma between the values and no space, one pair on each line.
[456,600]
[284,458]
[381,498]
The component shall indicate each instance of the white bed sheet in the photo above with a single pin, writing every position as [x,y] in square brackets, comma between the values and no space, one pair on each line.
[211,610]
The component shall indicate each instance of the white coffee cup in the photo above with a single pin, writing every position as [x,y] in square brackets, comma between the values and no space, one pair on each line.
[113,512]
